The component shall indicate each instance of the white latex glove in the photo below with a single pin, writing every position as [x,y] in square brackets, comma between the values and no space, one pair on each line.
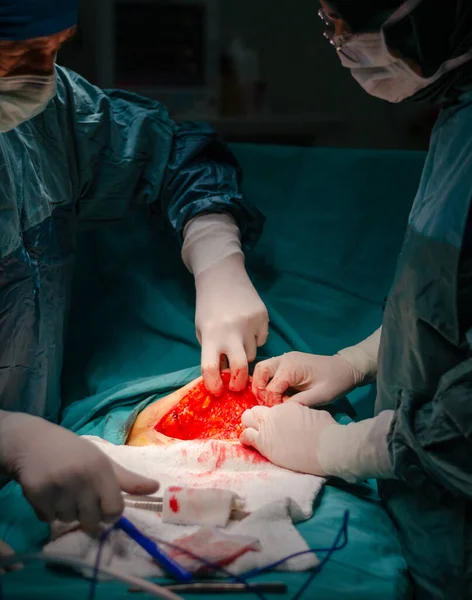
[310,441]
[317,379]
[357,451]
[287,435]
[231,321]
[364,356]
[63,476]
[5,551]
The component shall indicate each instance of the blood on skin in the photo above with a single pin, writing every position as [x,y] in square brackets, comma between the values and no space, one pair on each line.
[200,415]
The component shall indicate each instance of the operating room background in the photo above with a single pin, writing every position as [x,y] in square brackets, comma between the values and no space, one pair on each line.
[308,97]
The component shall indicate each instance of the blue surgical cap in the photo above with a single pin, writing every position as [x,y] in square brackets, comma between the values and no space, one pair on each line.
[27,19]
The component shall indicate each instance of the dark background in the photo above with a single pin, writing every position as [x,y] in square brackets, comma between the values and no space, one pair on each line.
[301,94]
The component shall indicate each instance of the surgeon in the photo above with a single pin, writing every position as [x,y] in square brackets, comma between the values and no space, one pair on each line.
[71,153]
[419,443]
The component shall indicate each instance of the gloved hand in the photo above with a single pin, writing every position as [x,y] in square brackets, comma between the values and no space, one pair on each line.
[5,550]
[63,476]
[310,441]
[317,379]
[287,435]
[231,321]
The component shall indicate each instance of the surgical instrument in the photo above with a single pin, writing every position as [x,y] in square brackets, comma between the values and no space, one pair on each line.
[169,565]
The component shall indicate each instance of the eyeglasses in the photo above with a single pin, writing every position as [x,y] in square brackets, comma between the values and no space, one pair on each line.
[337,41]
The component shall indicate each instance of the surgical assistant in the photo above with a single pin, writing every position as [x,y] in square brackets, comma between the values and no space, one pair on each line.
[72,154]
[419,443]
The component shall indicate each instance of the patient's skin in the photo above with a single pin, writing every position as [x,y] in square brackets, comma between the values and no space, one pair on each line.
[192,413]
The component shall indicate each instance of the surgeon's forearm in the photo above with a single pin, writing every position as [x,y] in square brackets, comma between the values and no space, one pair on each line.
[364,356]
[357,451]
[209,239]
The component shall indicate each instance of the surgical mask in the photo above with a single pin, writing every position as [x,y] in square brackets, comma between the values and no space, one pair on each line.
[22,97]
[379,72]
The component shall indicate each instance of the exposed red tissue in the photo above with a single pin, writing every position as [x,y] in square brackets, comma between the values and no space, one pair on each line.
[200,415]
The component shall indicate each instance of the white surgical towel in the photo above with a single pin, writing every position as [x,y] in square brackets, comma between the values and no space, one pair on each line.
[275,497]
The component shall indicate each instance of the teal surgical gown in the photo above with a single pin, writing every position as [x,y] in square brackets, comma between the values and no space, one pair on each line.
[425,369]
[83,161]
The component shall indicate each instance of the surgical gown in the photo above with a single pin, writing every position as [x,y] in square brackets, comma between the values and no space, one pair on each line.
[83,161]
[425,369]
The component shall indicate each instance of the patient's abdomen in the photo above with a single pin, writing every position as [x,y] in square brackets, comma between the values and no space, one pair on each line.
[199,415]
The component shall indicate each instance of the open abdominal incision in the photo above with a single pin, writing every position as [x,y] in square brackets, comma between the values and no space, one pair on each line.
[192,413]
